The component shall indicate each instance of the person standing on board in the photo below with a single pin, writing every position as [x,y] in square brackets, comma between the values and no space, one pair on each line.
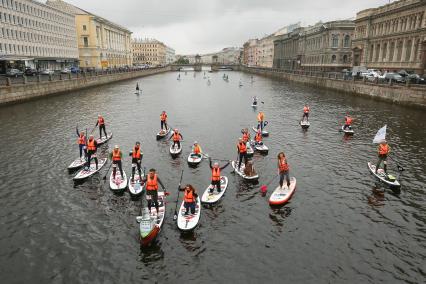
[306,111]
[216,175]
[383,152]
[163,118]
[92,146]
[348,122]
[283,169]
[196,149]
[101,124]
[136,160]
[190,198]
[242,152]
[258,138]
[81,141]
[177,137]
[246,135]
[116,156]
[260,120]
[255,101]
[152,181]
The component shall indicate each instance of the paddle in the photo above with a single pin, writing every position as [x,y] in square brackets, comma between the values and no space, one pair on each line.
[177,200]
[104,178]
[400,168]
[264,188]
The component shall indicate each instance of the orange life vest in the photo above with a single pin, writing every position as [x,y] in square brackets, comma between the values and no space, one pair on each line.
[348,120]
[81,140]
[116,155]
[246,137]
[163,117]
[91,145]
[306,109]
[215,174]
[101,120]
[283,166]
[258,137]
[260,116]
[176,136]
[136,154]
[189,196]
[242,147]
[197,149]
[384,149]
[152,184]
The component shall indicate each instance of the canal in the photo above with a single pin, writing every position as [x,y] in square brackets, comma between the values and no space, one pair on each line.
[337,228]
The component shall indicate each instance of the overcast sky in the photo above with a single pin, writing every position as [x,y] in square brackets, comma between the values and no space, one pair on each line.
[202,26]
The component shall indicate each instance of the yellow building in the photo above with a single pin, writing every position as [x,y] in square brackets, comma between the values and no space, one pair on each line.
[149,51]
[101,43]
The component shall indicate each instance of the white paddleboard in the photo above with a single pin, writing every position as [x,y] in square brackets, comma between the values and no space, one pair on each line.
[120,182]
[92,170]
[135,187]
[282,195]
[194,159]
[241,171]
[190,221]
[382,176]
[163,133]
[77,163]
[262,148]
[305,124]
[215,196]
[347,130]
[264,132]
[149,223]
[104,139]
[174,151]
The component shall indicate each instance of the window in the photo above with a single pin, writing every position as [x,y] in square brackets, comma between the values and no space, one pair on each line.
[346,41]
[345,58]
[333,59]
[84,28]
[335,41]
[86,42]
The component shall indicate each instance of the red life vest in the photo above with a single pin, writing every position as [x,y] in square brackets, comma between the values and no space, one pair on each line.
[136,153]
[260,116]
[81,140]
[384,149]
[283,166]
[91,145]
[348,120]
[152,184]
[101,121]
[258,137]
[116,155]
[176,137]
[306,109]
[215,174]
[163,117]
[189,196]
[242,147]
[197,149]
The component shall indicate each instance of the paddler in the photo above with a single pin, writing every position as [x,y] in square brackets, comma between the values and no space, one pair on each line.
[216,175]
[92,146]
[255,101]
[136,160]
[306,111]
[163,118]
[152,181]
[348,122]
[190,198]
[81,141]
[116,156]
[383,152]
[242,152]
[260,120]
[258,138]
[101,124]
[246,135]
[196,149]
[283,169]
[177,137]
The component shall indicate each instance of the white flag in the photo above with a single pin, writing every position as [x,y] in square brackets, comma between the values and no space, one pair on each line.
[380,136]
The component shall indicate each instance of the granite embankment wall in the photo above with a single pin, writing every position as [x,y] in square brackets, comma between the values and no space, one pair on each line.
[16,92]
[410,95]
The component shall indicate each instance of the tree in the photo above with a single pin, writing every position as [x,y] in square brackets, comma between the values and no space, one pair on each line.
[182,60]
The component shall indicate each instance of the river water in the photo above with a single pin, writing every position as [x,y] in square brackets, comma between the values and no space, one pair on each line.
[337,228]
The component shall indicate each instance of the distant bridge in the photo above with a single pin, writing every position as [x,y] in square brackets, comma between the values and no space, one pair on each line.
[199,66]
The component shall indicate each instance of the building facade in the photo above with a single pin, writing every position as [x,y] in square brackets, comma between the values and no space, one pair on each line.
[250,53]
[392,37]
[36,35]
[101,43]
[288,50]
[149,51]
[170,55]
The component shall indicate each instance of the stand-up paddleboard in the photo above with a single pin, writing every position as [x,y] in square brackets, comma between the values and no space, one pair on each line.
[264,132]
[174,151]
[190,221]
[215,195]
[348,131]
[163,133]
[282,195]
[104,139]
[119,183]
[194,159]
[150,223]
[250,151]
[305,124]
[136,187]
[381,175]
[254,104]
[77,163]
[261,148]
[241,171]
[85,173]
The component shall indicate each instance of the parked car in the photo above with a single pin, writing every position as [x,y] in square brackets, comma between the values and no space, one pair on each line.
[47,72]
[30,72]
[66,71]
[75,70]
[372,75]
[358,70]
[394,77]
[415,78]
[14,73]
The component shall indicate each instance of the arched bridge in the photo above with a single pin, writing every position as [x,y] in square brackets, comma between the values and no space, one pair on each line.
[199,66]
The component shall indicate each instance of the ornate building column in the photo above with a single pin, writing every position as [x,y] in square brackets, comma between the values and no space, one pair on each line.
[413,50]
[388,55]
